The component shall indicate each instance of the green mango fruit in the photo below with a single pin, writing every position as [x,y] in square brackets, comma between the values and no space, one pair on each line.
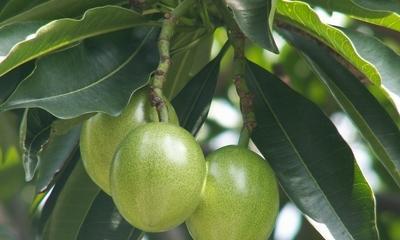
[157,176]
[240,200]
[102,133]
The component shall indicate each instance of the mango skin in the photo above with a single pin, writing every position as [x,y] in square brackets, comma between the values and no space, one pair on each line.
[157,176]
[102,133]
[240,200]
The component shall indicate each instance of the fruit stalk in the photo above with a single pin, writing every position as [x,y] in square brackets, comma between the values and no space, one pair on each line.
[237,39]
[164,42]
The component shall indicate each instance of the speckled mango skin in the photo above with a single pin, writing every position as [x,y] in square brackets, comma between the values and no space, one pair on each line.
[102,133]
[157,176]
[240,200]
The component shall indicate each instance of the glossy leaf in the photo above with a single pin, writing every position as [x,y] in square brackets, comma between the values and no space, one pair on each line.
[314,165]
[72,205]
[60,33]
[193,102]
[82,211]
[385,60]
[255,20]
[11,8]
[373,121]
[115,65]
[16,11]
[10,81]
[51,200]
[386,5]
[63,126]
[382,13]
[299,16]
[34,135]
[13,34]
[190,53]
[103,221]
[59,150]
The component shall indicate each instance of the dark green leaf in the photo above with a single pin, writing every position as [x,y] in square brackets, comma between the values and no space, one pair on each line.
[22,10]
[63,126]
[10,81]
[63,32]
[381,56]
[314,165]
[13,34]
[34,135]
[97,75]
[59,150]
[193,102]
[384,13]
[82,211]
[255,20]
[11,8]
[382,5]
[299,16]
[373,121]
[51,200]
[190,53]
[103,221]
[72,205]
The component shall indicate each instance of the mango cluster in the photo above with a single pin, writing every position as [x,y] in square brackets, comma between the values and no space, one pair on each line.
[159,178]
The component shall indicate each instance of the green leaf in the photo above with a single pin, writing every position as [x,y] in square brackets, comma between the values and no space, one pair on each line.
[314,165]
[385,13]
[98,75]
[193,102]
[52,196]
[298,16]
[385,60]
[72,206]
[10,81]
[46,147]
[255,20]
[13,7]
[103,221]
[13,34]
[374,123]
[82,211]
[16,11]
[9,36]
[190,53]
[59,150]
[382,5]
[63,126]
[60,33]
[34,135]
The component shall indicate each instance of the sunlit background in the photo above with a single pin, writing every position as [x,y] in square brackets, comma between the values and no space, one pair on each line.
[222,128]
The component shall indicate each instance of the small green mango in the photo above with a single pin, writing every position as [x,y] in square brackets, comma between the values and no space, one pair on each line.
[240,200]
[102,133]
[157,176]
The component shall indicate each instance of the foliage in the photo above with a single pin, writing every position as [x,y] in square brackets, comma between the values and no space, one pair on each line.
[63,61]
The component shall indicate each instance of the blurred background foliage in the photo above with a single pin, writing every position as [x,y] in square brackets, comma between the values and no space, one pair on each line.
[222,128]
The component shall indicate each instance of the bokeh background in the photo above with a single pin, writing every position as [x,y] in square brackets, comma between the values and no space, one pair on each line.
[222,128]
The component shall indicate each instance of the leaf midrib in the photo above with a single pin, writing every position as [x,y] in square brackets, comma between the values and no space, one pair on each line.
[364,123]
[299,157]
[69,21]
[197,96]
[102,79]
